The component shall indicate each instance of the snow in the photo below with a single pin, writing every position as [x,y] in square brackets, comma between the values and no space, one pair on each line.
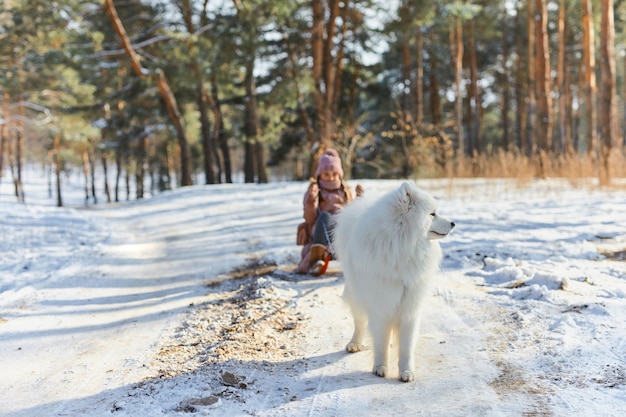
[184,304]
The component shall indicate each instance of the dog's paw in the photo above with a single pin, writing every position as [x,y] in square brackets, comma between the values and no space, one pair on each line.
[380,370]
[407,376]
[353,347]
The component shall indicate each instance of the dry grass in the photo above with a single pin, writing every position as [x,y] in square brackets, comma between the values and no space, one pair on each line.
[578,169]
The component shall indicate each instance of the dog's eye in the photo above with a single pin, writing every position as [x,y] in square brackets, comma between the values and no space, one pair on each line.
[433,214]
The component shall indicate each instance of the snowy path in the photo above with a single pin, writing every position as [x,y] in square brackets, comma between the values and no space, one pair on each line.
[95,315]
[345,385]
[96,308]
[71,344]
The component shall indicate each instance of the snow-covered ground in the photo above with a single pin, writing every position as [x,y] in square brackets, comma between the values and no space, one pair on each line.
[184,304]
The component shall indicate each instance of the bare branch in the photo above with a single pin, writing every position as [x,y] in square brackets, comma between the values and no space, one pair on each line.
[121,32]
[47,117]
[117,52]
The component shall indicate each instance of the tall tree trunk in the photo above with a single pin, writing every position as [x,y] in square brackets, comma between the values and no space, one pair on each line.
[86,176]
[219,133]
[248,161]
[338,68]
[140,166]
[259,153]
[317,50]
[3,130]
[406,77]
[607,103]
[251,126]
[325,68]
[92,171]
[127,177]
[590,88]
[166,167]
[11,161]
[19,144]
[178,122]
[623,108]
[208,150]
[352,124]
[433,85]
[201,98]
[505,93]
[56,146]
[544,90]
[564,143]
[49,167]
[419,77]
[105,170]
[528,141]
[254,164]
[474,97]
[456,43]
[119,156]
[164,88]
[520,87]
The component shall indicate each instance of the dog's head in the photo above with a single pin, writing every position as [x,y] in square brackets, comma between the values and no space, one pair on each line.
[420,210]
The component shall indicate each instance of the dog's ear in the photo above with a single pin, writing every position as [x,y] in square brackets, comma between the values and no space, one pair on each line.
[407,196]
[406,187]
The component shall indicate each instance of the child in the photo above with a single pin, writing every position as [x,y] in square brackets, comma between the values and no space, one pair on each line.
[327,193]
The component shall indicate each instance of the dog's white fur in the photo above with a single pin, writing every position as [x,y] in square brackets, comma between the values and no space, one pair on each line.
[389,255]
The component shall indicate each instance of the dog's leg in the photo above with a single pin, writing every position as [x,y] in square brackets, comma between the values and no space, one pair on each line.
[360,325]
[381,332]
[409,330]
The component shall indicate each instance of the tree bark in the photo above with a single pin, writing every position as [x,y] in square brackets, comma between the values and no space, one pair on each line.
[259,153]
[251,126]
[56,146]
[179,125]
[338,70]
[474,98]
[590,88]
[456,41]
[219,132]
[118,164]
[528,141]
[505,94]
[607,103]
[406,77]
[85,156]
[202,98]
[3,129]
[92,169]
[105,169]
[624,107]
[564,143]
[325,69]
[208,150]
[140,166]
[248,161]
[317,52]
[19,189]
[433,87]
[543,77]
[419,77]
[520,87]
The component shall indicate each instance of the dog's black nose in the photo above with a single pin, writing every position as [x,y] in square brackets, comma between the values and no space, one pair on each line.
[452,224]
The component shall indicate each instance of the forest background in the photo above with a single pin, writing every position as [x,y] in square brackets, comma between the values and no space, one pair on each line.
[170,93]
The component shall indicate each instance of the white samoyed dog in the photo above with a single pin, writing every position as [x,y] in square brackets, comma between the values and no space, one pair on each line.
[390,255]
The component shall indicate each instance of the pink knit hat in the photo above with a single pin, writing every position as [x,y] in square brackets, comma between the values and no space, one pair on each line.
[329,161]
